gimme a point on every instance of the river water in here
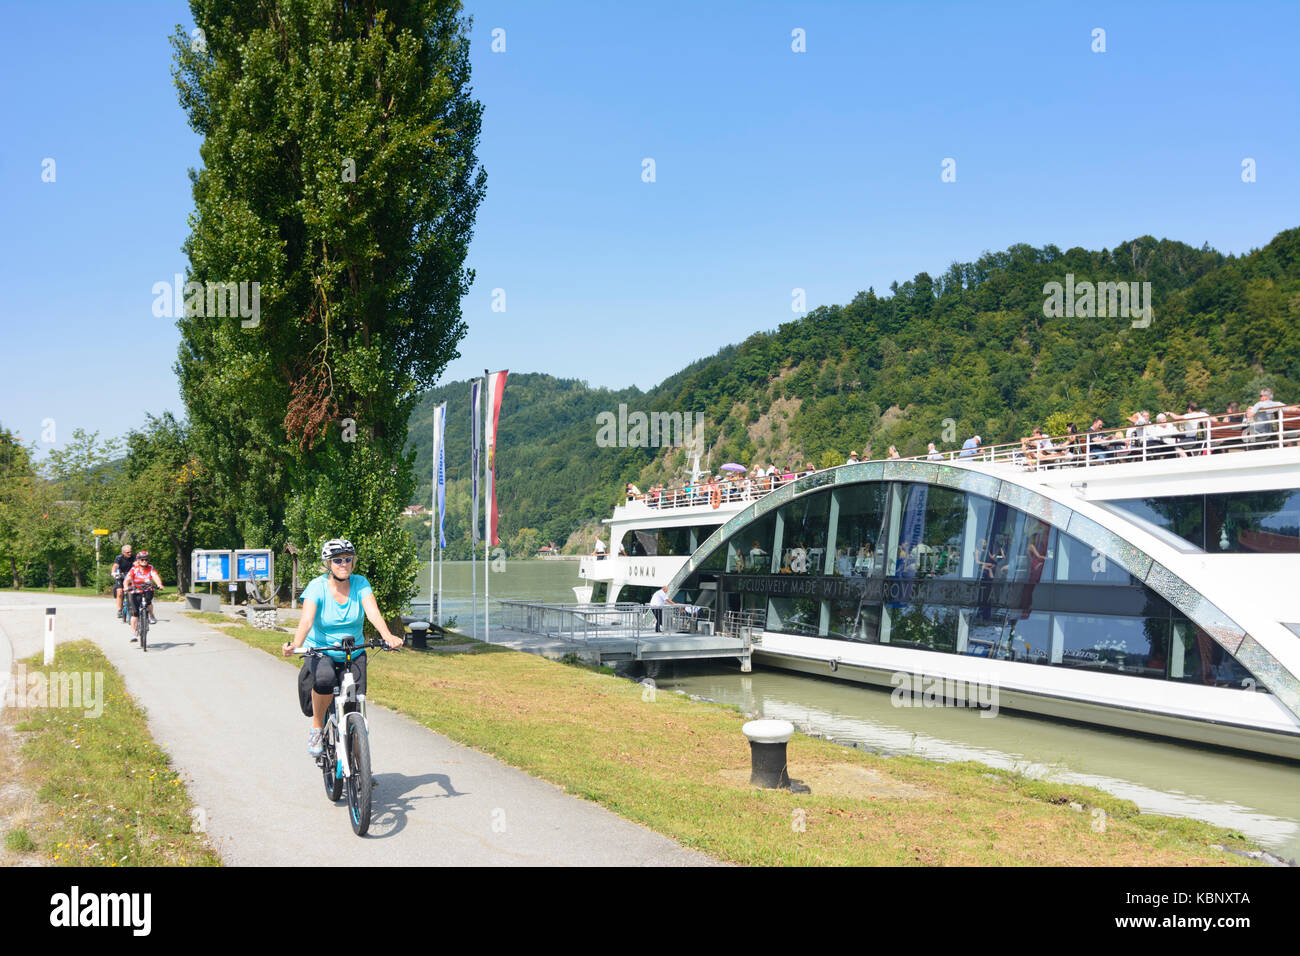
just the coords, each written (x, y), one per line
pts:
(1255, 796)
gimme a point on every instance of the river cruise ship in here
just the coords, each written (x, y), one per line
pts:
(1142, 583)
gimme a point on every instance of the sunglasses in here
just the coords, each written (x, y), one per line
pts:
(342, 560)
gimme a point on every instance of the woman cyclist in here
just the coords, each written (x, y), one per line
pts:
(139, 584)
(332, 608)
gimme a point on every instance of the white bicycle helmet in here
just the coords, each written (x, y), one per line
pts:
(335, 547)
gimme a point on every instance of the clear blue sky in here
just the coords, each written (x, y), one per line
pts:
(774, 170)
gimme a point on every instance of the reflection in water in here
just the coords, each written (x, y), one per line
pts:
(1254, 796)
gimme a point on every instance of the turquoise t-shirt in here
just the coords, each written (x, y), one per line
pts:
(335, 621)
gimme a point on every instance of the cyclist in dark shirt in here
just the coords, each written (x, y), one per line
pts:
(121, 565)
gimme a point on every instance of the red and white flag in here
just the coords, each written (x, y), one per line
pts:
(496, 384)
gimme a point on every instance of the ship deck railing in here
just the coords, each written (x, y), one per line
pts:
(1277, 427)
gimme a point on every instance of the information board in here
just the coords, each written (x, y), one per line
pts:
(210, 566)
(253, 564)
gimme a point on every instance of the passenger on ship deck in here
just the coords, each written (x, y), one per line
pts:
(1136, 439)
(1072, 447)
(1196, 427)
(1099, 444)
(1165, 436)
(893, 453)
(1229, 436)
(853, 458)
(969, 447)
(932, 453)
(599, 551)
(1262, 421)
(1038, 448)
(633, 492)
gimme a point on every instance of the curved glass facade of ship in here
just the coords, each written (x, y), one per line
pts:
(988, 570)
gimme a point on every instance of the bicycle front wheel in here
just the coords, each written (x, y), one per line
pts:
(331, 772)
(144, 626)
(358, 744)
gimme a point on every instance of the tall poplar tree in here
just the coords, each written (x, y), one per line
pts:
(339, 173)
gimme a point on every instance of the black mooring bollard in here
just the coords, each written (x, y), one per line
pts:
(420, 635)
(767, 740)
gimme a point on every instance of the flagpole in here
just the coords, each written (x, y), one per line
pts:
(487, 509)
(433, 506)
(473, 518)
(442, 483)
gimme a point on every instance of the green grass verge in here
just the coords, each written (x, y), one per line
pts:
(680, 767)
(106, 793)
(64, 592)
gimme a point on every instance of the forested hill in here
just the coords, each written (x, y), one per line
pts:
(972, 345)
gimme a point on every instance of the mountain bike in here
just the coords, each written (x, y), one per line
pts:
(142, 630)
(344, 759)
(125, 611)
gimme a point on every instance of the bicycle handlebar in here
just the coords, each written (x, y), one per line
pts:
(345, 646)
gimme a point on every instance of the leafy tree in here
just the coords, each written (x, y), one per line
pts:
(16, 478)
(340, 174)
(168, 498)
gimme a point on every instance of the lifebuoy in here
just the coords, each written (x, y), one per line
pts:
(715, 496)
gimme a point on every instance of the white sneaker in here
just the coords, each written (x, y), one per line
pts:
(315, 743)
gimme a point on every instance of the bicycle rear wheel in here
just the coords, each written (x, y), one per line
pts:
(358, 744)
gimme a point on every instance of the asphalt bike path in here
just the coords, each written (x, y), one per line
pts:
(228, 716)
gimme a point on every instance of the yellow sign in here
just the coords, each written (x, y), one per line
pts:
(100, 531)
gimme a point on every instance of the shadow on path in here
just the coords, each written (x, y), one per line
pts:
(392, 799)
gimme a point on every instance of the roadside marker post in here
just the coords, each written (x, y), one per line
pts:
(49, 635)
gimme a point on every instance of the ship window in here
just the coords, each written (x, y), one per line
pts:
(794, 616)
(1266, 522)
(925, 541)
(749, 551)
(1195, 658)
(650, 542)
(855, 620)
(1124, 645)
(923, 626)
(803, 537)
(1178, 520)
(1260, 522)
(1008, 635)
(636, 594)
(857, 532)
(1077, 563)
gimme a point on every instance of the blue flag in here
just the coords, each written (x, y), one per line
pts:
(440, 432)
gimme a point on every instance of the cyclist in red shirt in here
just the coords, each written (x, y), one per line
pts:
(139, 583)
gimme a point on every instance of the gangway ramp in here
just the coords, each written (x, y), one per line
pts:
(626, 632)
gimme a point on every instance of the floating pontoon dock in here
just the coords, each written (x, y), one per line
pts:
(626, 632)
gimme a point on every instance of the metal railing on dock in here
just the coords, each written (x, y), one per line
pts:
(627, 632)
